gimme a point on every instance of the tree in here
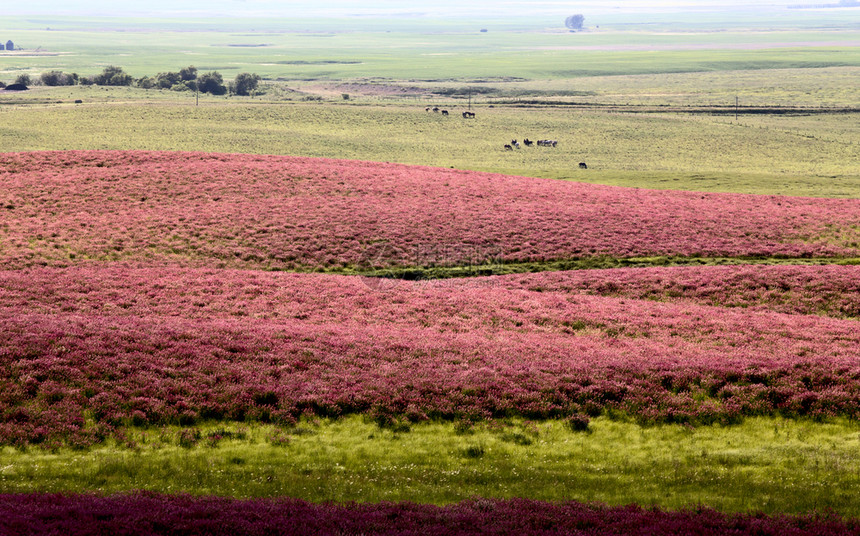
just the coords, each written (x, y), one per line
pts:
(167, 80)
(188, 73)
(245, 83)
(212, 83)
(574, 22)
(113, 76)
(147, 82)
(24, 79)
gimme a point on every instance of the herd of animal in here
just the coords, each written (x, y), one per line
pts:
(528, 143)
(540, 143)
(436, 109)
(514, 143)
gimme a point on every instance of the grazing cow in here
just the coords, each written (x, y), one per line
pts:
(582, 165)
(444, 112)
(435, 108)
(515, 143)
(467, 115)
(508, 147)
(427, 109)
(547, 143)
(528, 142)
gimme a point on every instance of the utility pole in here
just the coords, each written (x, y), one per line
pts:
(470, 99)
(736, 107)
(197, 94)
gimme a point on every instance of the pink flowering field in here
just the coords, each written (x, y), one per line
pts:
(828, 290)
(287, 213)
(128, 345)
(153, 514)
(154, 288)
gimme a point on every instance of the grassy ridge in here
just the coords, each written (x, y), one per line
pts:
(764, 464)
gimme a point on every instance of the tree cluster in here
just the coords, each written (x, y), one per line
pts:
(113, 76)
(186, 79)
(58, 78)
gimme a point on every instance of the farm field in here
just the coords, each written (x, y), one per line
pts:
(273, 306)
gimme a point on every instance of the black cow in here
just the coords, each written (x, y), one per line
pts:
(582, 165)
(444, 112)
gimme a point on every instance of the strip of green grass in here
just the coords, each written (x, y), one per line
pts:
(785, 156)
(768, 464)
(446, 272)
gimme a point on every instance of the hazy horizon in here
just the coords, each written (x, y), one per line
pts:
(381, 8)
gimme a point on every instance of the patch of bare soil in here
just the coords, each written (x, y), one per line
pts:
(369, 89)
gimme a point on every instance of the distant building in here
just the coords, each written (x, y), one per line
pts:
(10, 45)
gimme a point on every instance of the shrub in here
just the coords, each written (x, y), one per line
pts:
(188, 438)
(578, 422)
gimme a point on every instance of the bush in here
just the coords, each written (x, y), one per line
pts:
(578, 422)
(188, 438)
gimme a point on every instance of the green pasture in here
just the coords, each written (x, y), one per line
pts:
(771, 464)
(809, 155)
(533, 49)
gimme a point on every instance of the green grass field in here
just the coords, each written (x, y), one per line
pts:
(809, 155)
(645, 107)
(764, 464)
(430, 50)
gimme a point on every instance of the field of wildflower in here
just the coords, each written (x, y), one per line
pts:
(323, 308)
(129, 346)
(153, 514)
(147, 291)
(300, 214)
(183, 293)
